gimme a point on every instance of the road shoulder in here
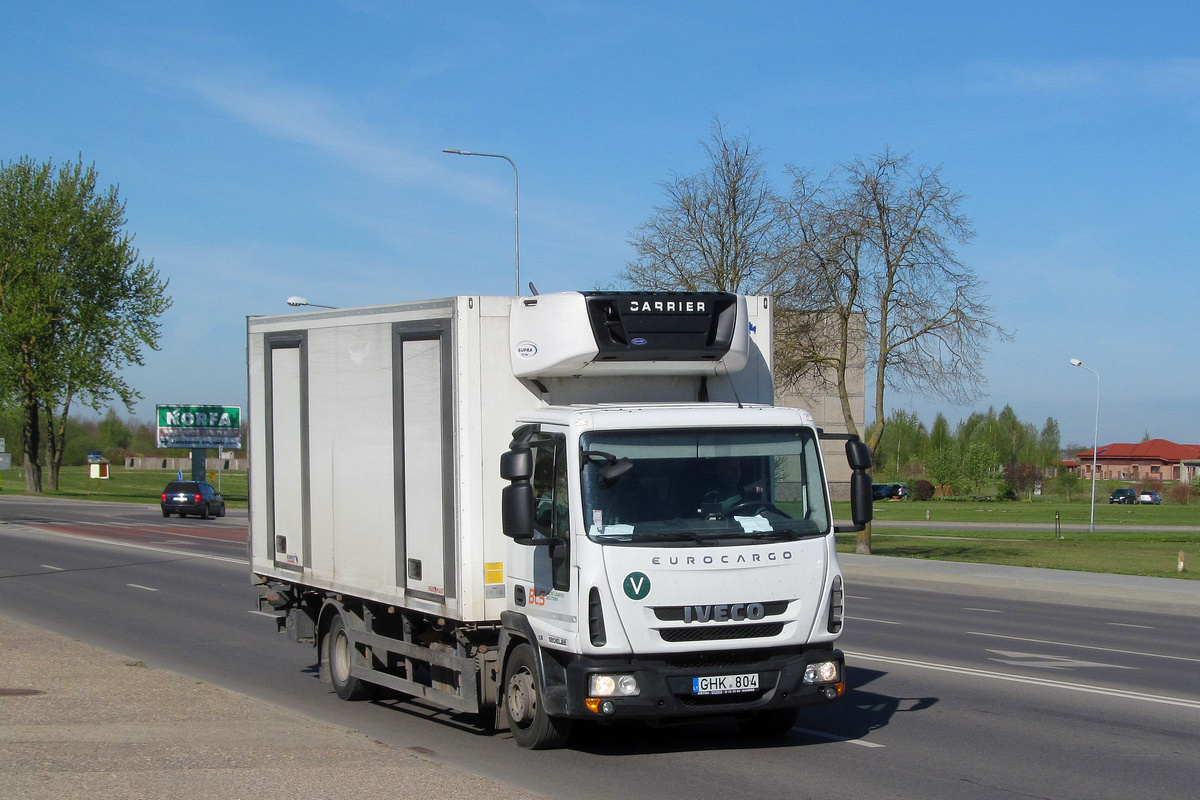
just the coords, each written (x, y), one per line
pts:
(80, 722)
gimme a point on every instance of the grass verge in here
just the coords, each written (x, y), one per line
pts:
(124, 485)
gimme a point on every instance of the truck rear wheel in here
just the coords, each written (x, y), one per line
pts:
(531, 726)
(338, 651)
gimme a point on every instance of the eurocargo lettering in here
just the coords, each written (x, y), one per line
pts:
(538, 510)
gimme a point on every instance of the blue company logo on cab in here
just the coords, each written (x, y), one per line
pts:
(638, 340)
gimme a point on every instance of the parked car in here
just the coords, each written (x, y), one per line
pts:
(1123, 496)
(1148, 498)
(192, 497)
(888, 491)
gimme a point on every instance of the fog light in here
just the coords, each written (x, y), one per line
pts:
(612, 686)
(821, 672)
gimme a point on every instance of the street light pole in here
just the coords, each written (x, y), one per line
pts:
(1075, 362)
(516, 204)
(300, 301)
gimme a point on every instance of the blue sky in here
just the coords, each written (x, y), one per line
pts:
(268, 149)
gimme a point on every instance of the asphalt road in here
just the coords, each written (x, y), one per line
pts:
(954, 693)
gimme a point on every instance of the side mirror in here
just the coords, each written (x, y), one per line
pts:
(517, 465)
(516, 509)
(861, 508)
(858, 455)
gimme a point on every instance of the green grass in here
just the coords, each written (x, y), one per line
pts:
(123, 485)
(1130, 550)
(1123, 554)
(1039, 511)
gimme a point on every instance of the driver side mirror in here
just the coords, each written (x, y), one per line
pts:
(516, 499)
(862, 509)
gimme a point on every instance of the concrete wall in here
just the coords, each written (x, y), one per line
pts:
(185, 464)
(823, 403)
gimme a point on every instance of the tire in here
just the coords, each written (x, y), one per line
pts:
(166, 513)
(222, 512)
(338, 650)
(773, 722)
(204, 511)
(531, 727)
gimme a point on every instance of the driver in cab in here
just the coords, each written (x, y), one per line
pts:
(727, 488)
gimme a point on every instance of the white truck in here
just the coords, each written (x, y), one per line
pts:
(573, 506)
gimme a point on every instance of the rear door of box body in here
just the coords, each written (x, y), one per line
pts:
(286, 402)
(423, 430)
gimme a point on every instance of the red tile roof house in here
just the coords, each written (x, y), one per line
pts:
(1156, 459)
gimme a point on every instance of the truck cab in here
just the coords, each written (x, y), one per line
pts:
(669, 560)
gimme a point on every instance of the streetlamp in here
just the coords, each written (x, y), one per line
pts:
(1075, 362)
(300, 301)
(516, 202)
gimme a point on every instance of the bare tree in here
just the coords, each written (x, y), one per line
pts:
(717, 231)
(876, 238)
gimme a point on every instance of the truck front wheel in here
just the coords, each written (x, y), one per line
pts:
(531, 726)
(338, 651)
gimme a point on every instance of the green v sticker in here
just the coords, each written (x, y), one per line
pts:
(636, 585)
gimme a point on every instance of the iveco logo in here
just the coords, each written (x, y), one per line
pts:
(733, 612)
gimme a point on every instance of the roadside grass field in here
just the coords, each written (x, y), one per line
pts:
(1133, 549)
(1040, 511)
(124, 485)
(1150, 554)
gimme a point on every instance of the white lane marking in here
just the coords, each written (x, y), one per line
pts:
(1042, 661)
(1130, 625)
(984, 610)
(1052, 684)
(139, 586)
(836, 738)
(51, 566)
(266, 614)
(1085, 646)
(880, 621)
(856, 597)
(115, 543)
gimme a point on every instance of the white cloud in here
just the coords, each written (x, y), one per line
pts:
(306, 116)
(1163, 77)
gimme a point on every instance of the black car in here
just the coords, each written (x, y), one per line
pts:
(192, 497)
(888, 491)
(1123, 496)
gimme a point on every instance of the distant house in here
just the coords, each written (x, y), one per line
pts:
(1156, 459)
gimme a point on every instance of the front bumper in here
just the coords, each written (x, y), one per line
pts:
(666, 683)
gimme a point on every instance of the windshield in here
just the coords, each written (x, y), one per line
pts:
(691, 488)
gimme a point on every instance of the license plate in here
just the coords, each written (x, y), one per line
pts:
(725, 684)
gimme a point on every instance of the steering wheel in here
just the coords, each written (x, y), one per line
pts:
(755, 507)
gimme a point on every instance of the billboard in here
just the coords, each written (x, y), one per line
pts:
(200, 426)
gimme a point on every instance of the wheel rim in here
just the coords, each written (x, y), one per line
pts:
(339, 657)
(522, 698)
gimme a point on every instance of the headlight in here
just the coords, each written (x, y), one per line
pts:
(612, 686)
(821, 672)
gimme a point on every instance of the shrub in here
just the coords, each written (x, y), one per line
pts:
(1183, 494)
(923, 490)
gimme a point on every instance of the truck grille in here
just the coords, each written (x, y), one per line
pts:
(709, 633)
(772, 608)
